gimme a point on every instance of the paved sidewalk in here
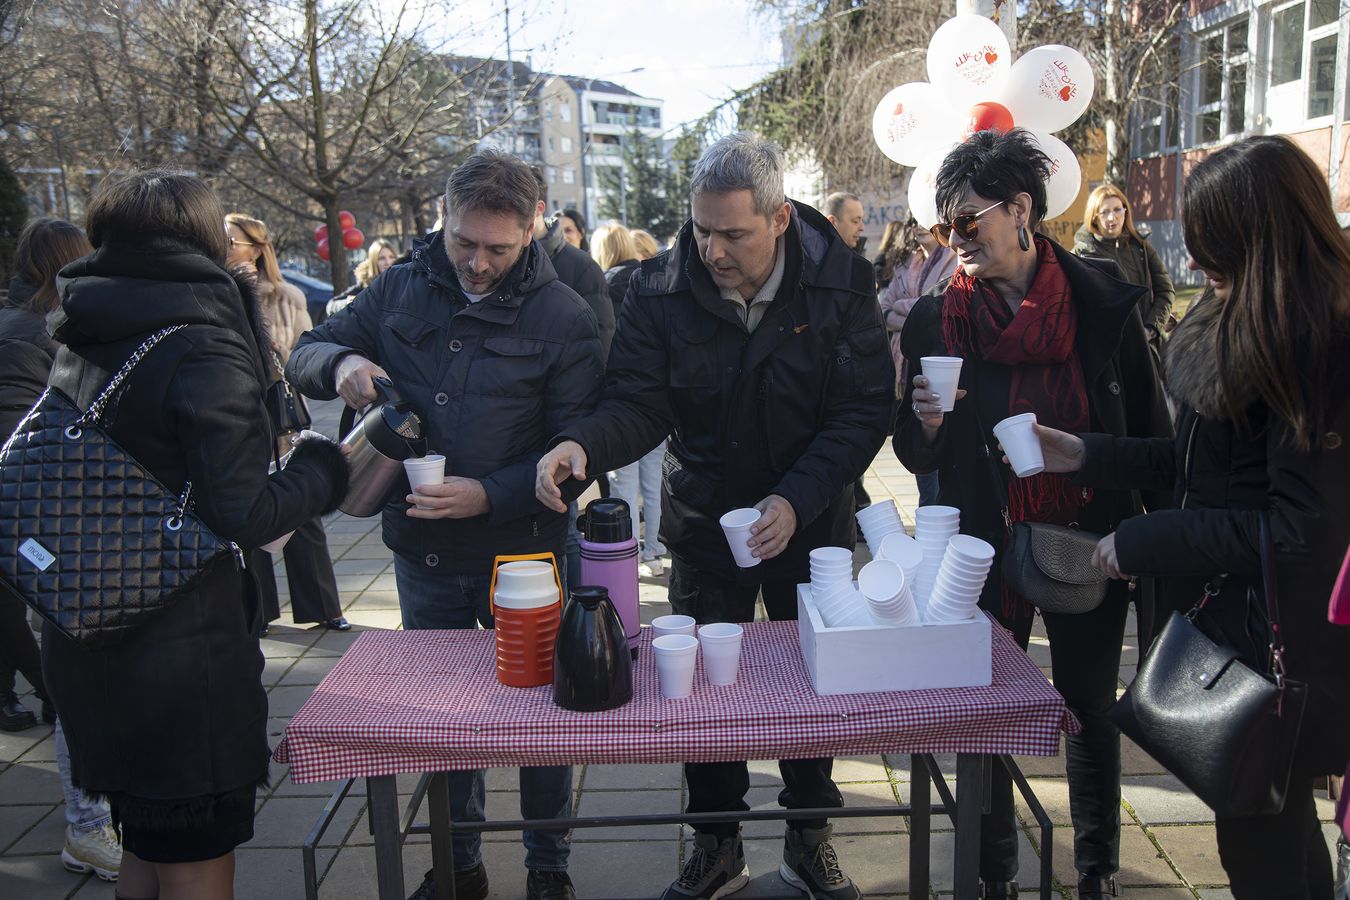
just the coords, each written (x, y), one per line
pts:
(1167, 841)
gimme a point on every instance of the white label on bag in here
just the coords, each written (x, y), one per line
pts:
(37, 554)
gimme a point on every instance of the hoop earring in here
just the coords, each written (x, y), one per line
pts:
(1023, 239)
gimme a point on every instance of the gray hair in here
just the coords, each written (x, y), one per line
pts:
(834, 204)
(492, 181)
(742, 162)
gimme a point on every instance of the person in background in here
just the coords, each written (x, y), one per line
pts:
(921, 265)
(26, 355)
(888, 254)
(1039, 330)
(381, 255)
(1108, 232)
(845, 212)
(616, 252)
(170, 724)
(646, 245)
(309, 566)
(1260, 367)
(574, 229)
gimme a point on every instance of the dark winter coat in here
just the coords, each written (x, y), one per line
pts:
(1124, 398)
(577, 270)
(798, 408)
(1140, 265)
(494, 381)
(1223, 479)
(26, 354)
(177, 711)
(617, 279)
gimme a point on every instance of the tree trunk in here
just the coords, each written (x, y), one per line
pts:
(337, 253)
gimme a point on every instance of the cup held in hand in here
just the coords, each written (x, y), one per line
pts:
(944, 375)
(736, 526)
(1021, 444)
(429, 469)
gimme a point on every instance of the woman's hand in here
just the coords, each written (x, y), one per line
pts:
(1104, 557)
(1063, 452)
(928, 407)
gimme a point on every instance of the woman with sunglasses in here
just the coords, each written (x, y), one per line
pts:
(1041, 331)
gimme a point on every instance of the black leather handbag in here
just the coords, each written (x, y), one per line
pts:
(1227, 730)
(285, 407)
(88, 537)
(1051, 566)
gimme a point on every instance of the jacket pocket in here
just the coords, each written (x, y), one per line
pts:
(408, 329)
(693, 355)
(858, 368)
(687, 486)
(509, 367)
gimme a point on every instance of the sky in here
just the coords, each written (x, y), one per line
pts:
(692, 53)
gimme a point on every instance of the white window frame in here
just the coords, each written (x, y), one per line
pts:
(565, 111)
(1228, 59)
(566, 144)
(569, 175)
(1156, 112)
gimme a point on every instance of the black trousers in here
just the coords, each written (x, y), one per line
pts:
(722, 786)
(309, 572)
(1281, 857)
(18, 648)
(1085, 660)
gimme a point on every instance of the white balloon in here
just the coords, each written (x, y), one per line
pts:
(968, 60)
(910, 122)
(923, 189)
(1049, 88)
(1066, 176)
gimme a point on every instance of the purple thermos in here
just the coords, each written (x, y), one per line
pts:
(609, 557)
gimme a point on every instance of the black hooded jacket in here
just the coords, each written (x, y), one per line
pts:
(26, 354)
(577, 270)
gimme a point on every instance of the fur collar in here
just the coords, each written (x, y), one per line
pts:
(1191, 365)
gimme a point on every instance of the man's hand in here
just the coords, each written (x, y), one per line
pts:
(1104, 557)
(457, 498)
(565, 459)
(352, 380)
(776, 526)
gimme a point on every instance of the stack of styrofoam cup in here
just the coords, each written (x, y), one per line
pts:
(877, 521)
(934, 527)
(832, 590)
(676, 655)
(888, 597)
(904, 551)
(721, 646)
(965, 566)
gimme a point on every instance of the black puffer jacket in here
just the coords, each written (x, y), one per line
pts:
(798, 408)
(177, 711)
(577, 270)
(1224, 479)
(618, 278)
(494, 380)
(26, 354)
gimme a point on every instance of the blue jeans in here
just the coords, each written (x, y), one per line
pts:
(642, 480)
(83, 812)
(572, 550)
(928, 488)
(431, 599)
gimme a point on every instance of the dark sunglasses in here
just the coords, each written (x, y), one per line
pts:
(967, 226)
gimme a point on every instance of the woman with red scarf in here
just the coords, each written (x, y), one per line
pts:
(1041, 331)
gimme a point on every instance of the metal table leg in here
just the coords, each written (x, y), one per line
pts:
(382, 791)
(920, 821)
(970, 791)
(442, 833)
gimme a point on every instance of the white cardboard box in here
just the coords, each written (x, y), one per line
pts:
(862, 659)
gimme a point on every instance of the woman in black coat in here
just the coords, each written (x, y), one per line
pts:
(1039, 330)
(171, 723)
(1261, 369)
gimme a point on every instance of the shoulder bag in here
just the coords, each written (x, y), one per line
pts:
(285, 408)
(88, 538)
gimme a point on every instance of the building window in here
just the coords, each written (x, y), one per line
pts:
(1322, 76)
(569, 175)
(548, 112)
(552, 174)
(566, 145)
(1221, 83)
(1286, 45)
(565, 111)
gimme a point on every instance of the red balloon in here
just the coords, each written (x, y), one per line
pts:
(988, 116)
(352, 238)
(346, 220)
(320, 233)
(324, 253)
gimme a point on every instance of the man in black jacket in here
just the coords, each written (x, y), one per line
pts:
(480, 335)
(758, 342)
(575, 267)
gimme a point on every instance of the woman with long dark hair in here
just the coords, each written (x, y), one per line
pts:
(170, 724)
(1260, 368)
(1039, 330)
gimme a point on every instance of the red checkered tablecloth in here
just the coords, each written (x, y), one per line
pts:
(419, 701)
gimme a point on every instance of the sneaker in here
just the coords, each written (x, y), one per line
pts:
(98, 851)
(714, 869)
(470, 884)
(811, 866)
(543, 884)
(652, 568)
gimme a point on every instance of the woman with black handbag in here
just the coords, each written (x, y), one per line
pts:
(309, 567)
(170, 722)
(1260, 367)
(1039, 330)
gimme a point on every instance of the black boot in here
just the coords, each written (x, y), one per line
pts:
(14, 716)
(1093, 888)
(998, 890)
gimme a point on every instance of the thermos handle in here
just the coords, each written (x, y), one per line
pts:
(384, 389)
(522, 557)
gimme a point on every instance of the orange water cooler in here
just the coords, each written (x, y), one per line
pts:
(526, 596)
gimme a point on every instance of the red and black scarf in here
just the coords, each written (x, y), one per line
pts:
(1037, 343)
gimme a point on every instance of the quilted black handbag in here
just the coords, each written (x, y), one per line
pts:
(1227, 730)
(1051, 566)
(88, 537)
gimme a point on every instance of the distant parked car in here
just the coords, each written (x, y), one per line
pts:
(317, 293)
